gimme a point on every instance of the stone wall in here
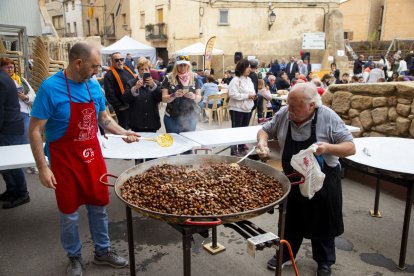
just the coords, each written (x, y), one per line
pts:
(385, 109)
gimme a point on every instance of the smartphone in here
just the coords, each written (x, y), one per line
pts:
(146, 75)
(186, 89)
(19, 89)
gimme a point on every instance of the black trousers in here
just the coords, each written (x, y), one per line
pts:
(259, 106)
(123, 118)
(323, 249)
(238, 119)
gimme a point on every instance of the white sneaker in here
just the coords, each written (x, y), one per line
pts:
(32, 170)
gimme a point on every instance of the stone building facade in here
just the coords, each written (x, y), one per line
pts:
(381, 109)
(241, 26)
(366, 20)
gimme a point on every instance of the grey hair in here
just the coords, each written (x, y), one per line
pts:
(271, 77)
(254, 63)
(310, 92)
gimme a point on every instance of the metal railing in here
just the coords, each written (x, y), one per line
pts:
(70, 34)
(156, 31)
(109, 31)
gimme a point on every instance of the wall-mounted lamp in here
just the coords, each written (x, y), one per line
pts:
(272, 17)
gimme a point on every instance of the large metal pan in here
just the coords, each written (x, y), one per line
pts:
(196, 161)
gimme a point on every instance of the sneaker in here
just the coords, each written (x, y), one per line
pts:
(32, 170)
(272, 263)
(323, 270)
(74, 266)
(6, 196)
(17, 201)
(110, 258)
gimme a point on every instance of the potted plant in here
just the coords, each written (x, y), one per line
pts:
(149, 28)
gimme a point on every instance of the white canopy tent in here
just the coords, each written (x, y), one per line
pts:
(129, 45)
(198, 49)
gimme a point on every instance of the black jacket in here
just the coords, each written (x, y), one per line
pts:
(11, 122)
(358, 67)
(129, 63)
(112, 91)
(295, 68)
(281, 84)
(143, 109)
(255, 79)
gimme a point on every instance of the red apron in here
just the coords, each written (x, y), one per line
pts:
(76, 160)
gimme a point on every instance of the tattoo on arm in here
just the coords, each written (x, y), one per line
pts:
(106, 122)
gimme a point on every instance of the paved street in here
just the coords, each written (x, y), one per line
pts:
(29, 238)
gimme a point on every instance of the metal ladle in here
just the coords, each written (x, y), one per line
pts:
(236, 165)
(164, 140)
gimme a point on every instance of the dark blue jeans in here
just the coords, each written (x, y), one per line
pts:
(26, 121)
(15, 181)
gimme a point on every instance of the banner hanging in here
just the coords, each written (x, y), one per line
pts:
(209, 52)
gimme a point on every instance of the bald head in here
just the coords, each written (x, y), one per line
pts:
(307, 92)
(84, 62)
(82, 50)
(302, 101)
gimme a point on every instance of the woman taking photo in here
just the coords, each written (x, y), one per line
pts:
(181, 92)
(143, 95)
(242, 95)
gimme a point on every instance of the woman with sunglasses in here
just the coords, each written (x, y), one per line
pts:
(181, 92)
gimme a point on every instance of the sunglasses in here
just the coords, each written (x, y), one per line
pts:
(11, 67)
(119, 59)
(187, 58)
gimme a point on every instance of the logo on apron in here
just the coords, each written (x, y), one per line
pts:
(87, 129)
(88, 155)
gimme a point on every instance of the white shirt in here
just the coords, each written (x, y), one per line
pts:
(403, 66)
(239, 90)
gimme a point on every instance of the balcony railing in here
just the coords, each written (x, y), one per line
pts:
(156, 32)
(110, 31)
(71, 34)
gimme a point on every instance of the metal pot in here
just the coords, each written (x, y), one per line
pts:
(196, 161)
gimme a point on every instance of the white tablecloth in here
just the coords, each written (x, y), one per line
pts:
(14, 157)
(385, 153)
(223, 136)
(230, 136)
(118, 149)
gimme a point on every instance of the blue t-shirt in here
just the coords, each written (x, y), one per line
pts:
(52, 103)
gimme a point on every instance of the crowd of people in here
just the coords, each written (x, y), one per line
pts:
(69, 106)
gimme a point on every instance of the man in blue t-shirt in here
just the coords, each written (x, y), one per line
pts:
(67, 108)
